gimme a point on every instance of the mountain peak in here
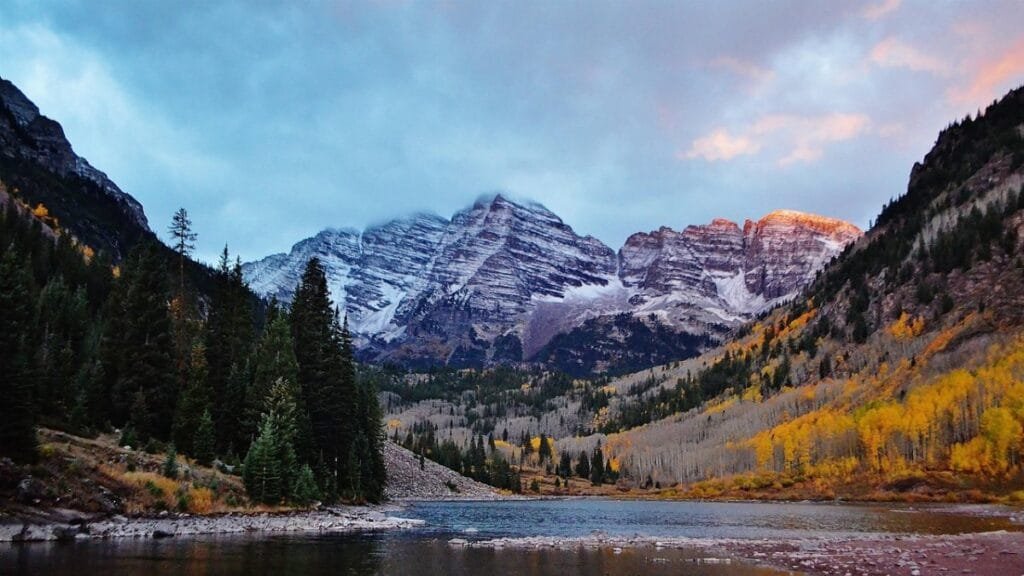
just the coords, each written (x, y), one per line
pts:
(821, 223)
(29, 136)
(23, 110)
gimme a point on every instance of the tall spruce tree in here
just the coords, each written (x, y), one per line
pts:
(17, 425)
(229, 337)
(323, 349)
(597, 467)
(373, 471)
(195, 400)
(274, 360)
(138, 345)
(313, 337)
(583, 466)
(204, 442)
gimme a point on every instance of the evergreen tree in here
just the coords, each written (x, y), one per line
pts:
(183, 240)
(262, 471)
(305, 490)
(184, 316)
(583, 466)
(17, 426)
(170, 467)
(544, 450)
(327, 379)
(274, 360)
(205, 440)
(373, 471)
(565, 465)
(229, 336)
(597, 467)
(193, 403)
(138, 345)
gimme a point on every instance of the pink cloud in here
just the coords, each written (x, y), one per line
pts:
(991, 77)
(892, 53)
(720, 145)
(797, 138)
(879, 9)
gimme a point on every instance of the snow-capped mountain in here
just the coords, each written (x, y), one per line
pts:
(720, 273)
(501, 279)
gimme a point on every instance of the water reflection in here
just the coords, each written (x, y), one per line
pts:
(426, 551)
(379, 555)
(698, 519)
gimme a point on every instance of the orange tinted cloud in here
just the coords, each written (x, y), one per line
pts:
(991, 77)
(892, 53)
(721, 145)
(878, 9)
(798, 138)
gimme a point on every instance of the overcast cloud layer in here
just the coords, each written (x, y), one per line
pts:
(270, 121)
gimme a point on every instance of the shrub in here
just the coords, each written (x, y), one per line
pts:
(170, 468)
(200, 500)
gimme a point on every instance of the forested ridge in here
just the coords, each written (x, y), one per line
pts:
(900, 367)
(90, 346)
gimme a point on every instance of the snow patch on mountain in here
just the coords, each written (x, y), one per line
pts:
(425, 286)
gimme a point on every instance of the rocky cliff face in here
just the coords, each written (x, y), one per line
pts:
(500, 280)
(39, 163)
(720, 273)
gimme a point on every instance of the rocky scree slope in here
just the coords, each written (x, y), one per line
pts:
(407, 481)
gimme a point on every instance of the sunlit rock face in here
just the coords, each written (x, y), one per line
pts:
(722, 273)
(501, 279)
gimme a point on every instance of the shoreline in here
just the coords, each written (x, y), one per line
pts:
(995, 553)
(74, 526)
(870, 554)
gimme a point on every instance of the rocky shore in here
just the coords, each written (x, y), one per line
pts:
(992, 553)
(67, 525)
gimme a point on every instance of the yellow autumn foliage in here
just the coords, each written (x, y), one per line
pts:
(200, 500)
(719, 406)
(962, 420)
(906, 327)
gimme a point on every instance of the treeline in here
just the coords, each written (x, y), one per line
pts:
(591, 467)
(493, 460)
(90, 346)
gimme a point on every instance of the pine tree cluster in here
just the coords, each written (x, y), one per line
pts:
(137, 346)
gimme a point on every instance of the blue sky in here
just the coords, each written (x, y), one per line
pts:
(270, 121)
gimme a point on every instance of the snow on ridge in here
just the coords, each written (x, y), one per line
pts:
(500, 267)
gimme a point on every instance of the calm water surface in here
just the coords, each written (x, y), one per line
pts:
(426, 552)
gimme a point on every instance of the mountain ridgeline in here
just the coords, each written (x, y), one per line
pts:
(509, 282)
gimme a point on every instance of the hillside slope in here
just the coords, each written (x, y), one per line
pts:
(901, 370)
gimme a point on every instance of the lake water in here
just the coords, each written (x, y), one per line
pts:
(426, 551)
